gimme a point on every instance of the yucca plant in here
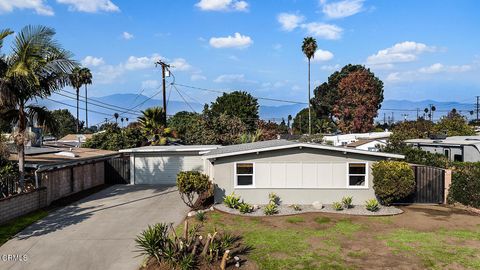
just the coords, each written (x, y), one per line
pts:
(231, 201)
(200, 216)
(337, 206)
(347, 201)
(152, 241)
(372, 205)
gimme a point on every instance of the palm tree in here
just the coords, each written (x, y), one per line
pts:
(36, 67)
(153, 122)
(116, 115)
(309, 47)
(86, 76)
(76, 81)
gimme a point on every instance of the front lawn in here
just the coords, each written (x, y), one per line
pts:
(436, 238)
(11, 228)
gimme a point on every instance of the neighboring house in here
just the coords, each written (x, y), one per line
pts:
(161, 164)
(298, 172)
(455, 148)
(71, 140)
(345, 139)
(368, 145)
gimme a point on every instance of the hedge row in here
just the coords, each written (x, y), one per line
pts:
(465, 187)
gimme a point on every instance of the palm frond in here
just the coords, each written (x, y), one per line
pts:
(3, 34)
(42, 116)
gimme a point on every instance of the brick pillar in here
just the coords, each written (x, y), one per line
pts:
(448, 182)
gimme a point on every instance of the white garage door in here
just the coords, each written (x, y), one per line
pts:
(163, 169)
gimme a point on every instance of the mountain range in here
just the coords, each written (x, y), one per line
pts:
(130, 105)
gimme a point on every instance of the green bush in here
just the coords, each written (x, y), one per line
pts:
(245, 208)
(372, 205)
(465, 187)
(296, 207)
(273, 198)
(392, 180)
(347, 201)
(200, 216)
(191, 183)
(232, 201)
(270, 209)
(337, 206)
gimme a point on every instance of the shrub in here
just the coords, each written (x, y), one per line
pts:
(372, 205)
(392, 180)
(200, 216)
(296, 207)
(245, 208)
(231, 201)
(347, 201)
(191, 183)
(337, 206)
(274, 198)
(465, 187)
(187, 251)
(270, 209)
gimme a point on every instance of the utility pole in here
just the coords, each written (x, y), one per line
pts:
(418, 110)
(384, 118)
(393, 119)
(164, 91)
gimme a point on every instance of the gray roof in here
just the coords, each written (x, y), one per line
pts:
(171, 148)
(262, 146)
(249, 146)
(453, 140)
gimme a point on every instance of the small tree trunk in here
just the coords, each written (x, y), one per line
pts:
(223, 264)
(185, 230)
(207, 243)
(21, 146)
(78, 120)
(86, 106)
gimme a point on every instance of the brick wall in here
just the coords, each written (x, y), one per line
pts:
(21, 204)
(67, 181)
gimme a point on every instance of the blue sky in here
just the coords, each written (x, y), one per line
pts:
(420, 49)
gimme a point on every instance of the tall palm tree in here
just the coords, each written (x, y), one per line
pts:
(76, 81)
(36, 67)
(116, 115)
(86, 76)
(309, 47)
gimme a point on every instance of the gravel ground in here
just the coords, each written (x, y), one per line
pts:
(284, 210)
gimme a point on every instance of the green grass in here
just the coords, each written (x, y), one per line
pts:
(322, 220)
(295, 219)
(10, 229)
(437, 250)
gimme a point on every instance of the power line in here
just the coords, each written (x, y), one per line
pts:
(66, 104)
(186, 102)
(93, 100)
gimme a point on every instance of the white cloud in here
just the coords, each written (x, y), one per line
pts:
(342, 9)
(322, 55)
(438, 68)
(39, 6)
(90, 6)
(289, 21)
(229, 78)
(136, 63)
(323, 30)
(150, 84)
(236, 41)
(393, 77)
(107, 73)
(406, 51)
(180, 64)
(222, 5)
(197, 77)
(92, 61)
(330, 67)
(127, 36)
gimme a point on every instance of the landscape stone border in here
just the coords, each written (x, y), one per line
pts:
(286, 210)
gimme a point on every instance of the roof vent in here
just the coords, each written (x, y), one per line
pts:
(438, 136)
(67, 154)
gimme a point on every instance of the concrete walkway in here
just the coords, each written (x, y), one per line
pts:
(98, 232)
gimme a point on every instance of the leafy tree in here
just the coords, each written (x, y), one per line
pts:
(193, 184)
(326, 94)
(36, 67)
(408, 130)
(65, 123)
(283, 127)
(226, 129)
(182, 122)
(300, 123)
(454, 124)
(114, 138)
(360, 98)
(238, 104)
(309, 47)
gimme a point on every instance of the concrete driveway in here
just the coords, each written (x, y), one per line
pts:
(97, 232)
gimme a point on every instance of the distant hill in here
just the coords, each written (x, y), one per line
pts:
(275, 113)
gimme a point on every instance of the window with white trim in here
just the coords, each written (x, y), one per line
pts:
(244, 174)
(357, 174)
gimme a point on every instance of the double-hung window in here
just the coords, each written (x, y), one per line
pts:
(357, 175)
(244, 174)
